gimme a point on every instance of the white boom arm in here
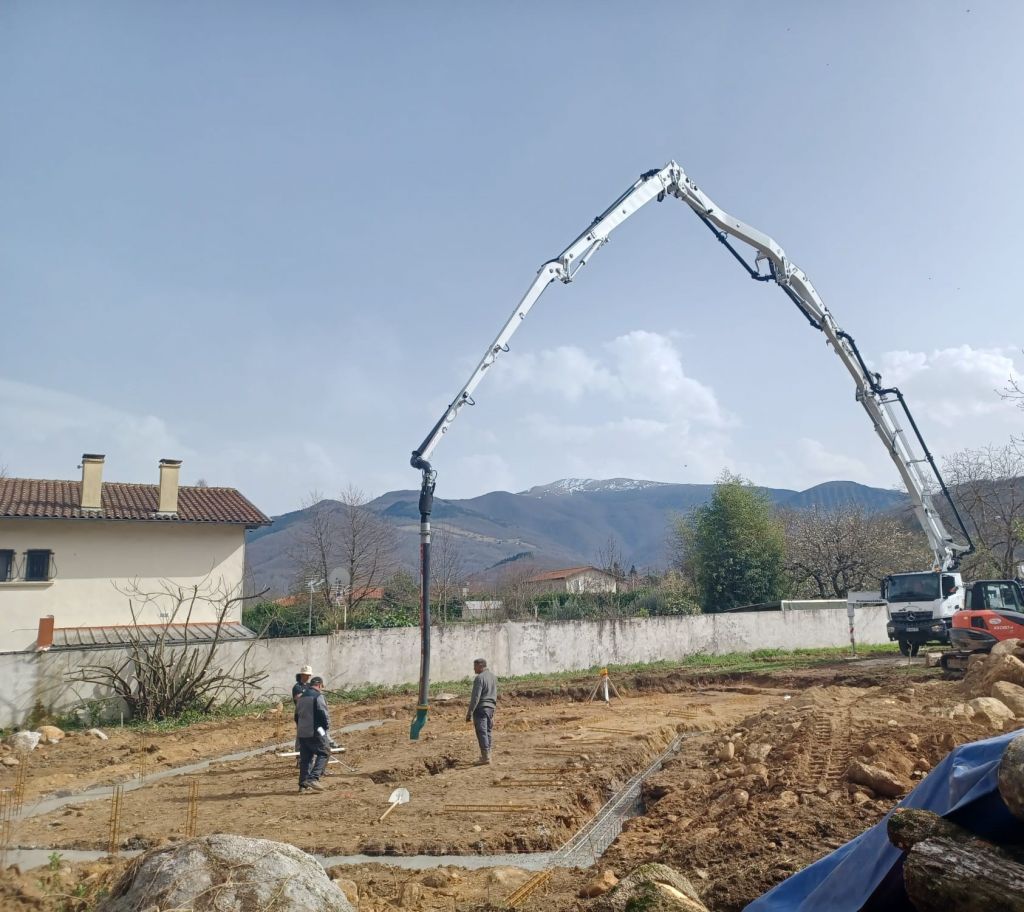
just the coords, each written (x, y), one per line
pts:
(919, 472)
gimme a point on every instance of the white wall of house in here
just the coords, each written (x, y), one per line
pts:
(590, 581)
(92, 559)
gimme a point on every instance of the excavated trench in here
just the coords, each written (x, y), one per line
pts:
(584, 848)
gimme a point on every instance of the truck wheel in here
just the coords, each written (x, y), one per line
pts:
(905, 647)
(915, 648)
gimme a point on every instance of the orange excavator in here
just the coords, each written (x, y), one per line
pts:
(993, 611)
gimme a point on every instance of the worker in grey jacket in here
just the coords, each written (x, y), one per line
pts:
(482, 701)
(312, 723)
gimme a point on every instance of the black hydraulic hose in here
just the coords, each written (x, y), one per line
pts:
(426, 505)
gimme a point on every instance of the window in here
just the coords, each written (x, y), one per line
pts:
(6, 565)
(37, 565)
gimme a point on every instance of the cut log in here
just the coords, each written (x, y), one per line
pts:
(1011, 777)
(909, 826)
(943, 874)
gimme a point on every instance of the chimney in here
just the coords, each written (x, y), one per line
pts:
(169, 469)
(92, 481)
(44, 638)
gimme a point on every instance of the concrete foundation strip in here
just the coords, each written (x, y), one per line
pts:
(498, 808)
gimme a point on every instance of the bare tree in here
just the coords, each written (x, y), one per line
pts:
(317, 551)
(610, 559)
(512, 588)
(367, 544)
(1013, 391)
(166, 672)
(831, 552)
(988, 486)
(448, 568)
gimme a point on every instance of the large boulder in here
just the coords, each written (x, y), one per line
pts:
(993, 712)
(652, 888)
(880, 781)
(984, 671)
(25, 741)
(1012, 695)
(221, 872)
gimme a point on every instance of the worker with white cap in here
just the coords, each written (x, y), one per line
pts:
(298, 688)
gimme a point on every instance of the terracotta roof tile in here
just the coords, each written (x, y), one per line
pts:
(47, 499)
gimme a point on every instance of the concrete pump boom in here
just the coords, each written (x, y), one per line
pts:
(885, 405)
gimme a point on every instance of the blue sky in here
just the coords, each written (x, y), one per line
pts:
(272, 240)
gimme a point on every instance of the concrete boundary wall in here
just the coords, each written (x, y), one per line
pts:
(392, 656)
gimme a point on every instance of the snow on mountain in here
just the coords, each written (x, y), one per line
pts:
(571, 486)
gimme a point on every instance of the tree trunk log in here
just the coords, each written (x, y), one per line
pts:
(1011, 777)
(909, 826)
(942, 874)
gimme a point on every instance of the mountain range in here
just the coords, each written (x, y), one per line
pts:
(563, 524)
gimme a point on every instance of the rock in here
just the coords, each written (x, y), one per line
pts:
(1006, 647)
(652, 888)
(981, 675)
(10, 761)
(726, 751)
(411, 895)
(1012, 695)
(880, 781)
(961, 712)
(51, 734)
(96, 733)
(349, 887)
(932, 659)
(226, 872)
(739, 798)
(912, 741)
(444, 697)
(436, 880)
(599, 885)
(860, 797)
(506, 876)
(992, 711)
(25, 741)
(758, 752)
(788, 799)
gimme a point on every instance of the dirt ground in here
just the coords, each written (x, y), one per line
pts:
(758, 790)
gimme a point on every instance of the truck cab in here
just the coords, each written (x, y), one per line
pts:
(994, 611)
(921, 607)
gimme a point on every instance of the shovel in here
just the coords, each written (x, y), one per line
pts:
(398, 796)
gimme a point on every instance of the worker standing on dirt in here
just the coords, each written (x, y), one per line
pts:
(482, 702)
(312, 722)
(301, 683)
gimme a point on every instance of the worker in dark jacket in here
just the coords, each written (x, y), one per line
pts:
(312, 723)
(482, 701)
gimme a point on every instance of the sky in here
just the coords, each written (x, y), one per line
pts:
(273, 240)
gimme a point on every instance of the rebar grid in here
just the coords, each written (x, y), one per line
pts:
(6, 823)
(116, 800)
(601, 831)
(192, 814)
(531, 886)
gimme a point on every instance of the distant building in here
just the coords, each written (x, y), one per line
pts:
(573, 579)
(70, 550)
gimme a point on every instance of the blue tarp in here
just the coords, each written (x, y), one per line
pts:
(867, 873)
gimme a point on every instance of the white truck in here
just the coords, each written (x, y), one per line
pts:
(885, 406)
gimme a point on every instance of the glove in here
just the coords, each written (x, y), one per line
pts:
(321, 732)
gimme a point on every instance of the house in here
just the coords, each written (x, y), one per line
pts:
(573, 579)
(76, 556)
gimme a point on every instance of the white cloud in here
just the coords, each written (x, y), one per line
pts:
(640, 371)
(950, 384)
(61, 426)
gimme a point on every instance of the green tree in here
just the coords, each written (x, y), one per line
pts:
(734, 547)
